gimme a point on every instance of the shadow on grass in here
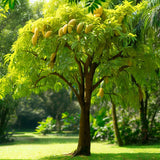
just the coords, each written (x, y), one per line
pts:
(148, 146)
(119, 156)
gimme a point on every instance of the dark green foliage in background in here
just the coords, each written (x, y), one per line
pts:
(7, 109)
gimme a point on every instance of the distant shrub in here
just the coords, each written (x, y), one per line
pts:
(70, 121)
(46, 126)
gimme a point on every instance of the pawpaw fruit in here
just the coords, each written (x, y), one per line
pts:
(97, 15)
(60, 32)
(72, 22)
(48, 34)
(34, 39)
(65, 28)
(88, 28)
(98, 11)
(69, 29)
(52, 60)
(80, 27)
(36, 31)
(101, 92)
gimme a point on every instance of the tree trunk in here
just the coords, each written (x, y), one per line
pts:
(115, 125)
(58, 123)
(84, 98)
(84, 133)
(144, 123)
(3, 123)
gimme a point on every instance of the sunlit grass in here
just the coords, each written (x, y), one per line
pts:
(33, 146)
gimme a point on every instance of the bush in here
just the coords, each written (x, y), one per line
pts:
(101, 126)
(70, 121)
(46, 126)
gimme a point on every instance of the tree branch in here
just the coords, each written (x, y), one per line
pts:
(35, 54)
(63, 78)
(98, 83)
(116, 56)
(123, 67)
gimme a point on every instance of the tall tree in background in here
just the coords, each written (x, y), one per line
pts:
(73, 49)
(147, 29)
(13, 20)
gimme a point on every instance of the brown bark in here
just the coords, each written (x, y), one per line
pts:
(144, 123)
(84, 133)
(115, 124)
(85, 102)
(143, 112)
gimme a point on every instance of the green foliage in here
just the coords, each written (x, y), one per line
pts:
(46, 126)
(10, 3)
(7, 110)
(37, 75)
(101, 126)
(70, 121)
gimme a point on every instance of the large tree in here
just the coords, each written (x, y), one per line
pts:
(77, 50)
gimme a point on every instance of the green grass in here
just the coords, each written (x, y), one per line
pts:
(52, 147)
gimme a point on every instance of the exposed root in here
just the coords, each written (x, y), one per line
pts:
(80, 152)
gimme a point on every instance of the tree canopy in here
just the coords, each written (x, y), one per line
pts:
(109, 44)
(75, 49)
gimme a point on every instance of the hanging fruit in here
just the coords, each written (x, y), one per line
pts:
(60, 32)
(97, 15)
(72, 22)
(69, 29)
(35, 37)
(48, 34)
(52, 60)
(33, 29)
(65, 28)
(80, 27)
(88, 28)
(98, 11)
(101, 92)
(36, 31)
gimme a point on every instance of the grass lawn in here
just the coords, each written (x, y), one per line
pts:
(51, 147)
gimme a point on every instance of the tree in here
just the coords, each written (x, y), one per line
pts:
(76, 50)
(6, 111)
(115, 124)
(55, 104)
(147, 27)
(14, 19)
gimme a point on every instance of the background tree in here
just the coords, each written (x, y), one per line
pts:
(57, 103)
(7, 109)
(79, 58)
(30, 110)
(14, 19)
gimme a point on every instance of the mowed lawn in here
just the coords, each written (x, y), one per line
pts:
(52, 147)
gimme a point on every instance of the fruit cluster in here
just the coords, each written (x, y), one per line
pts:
(67, 28)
